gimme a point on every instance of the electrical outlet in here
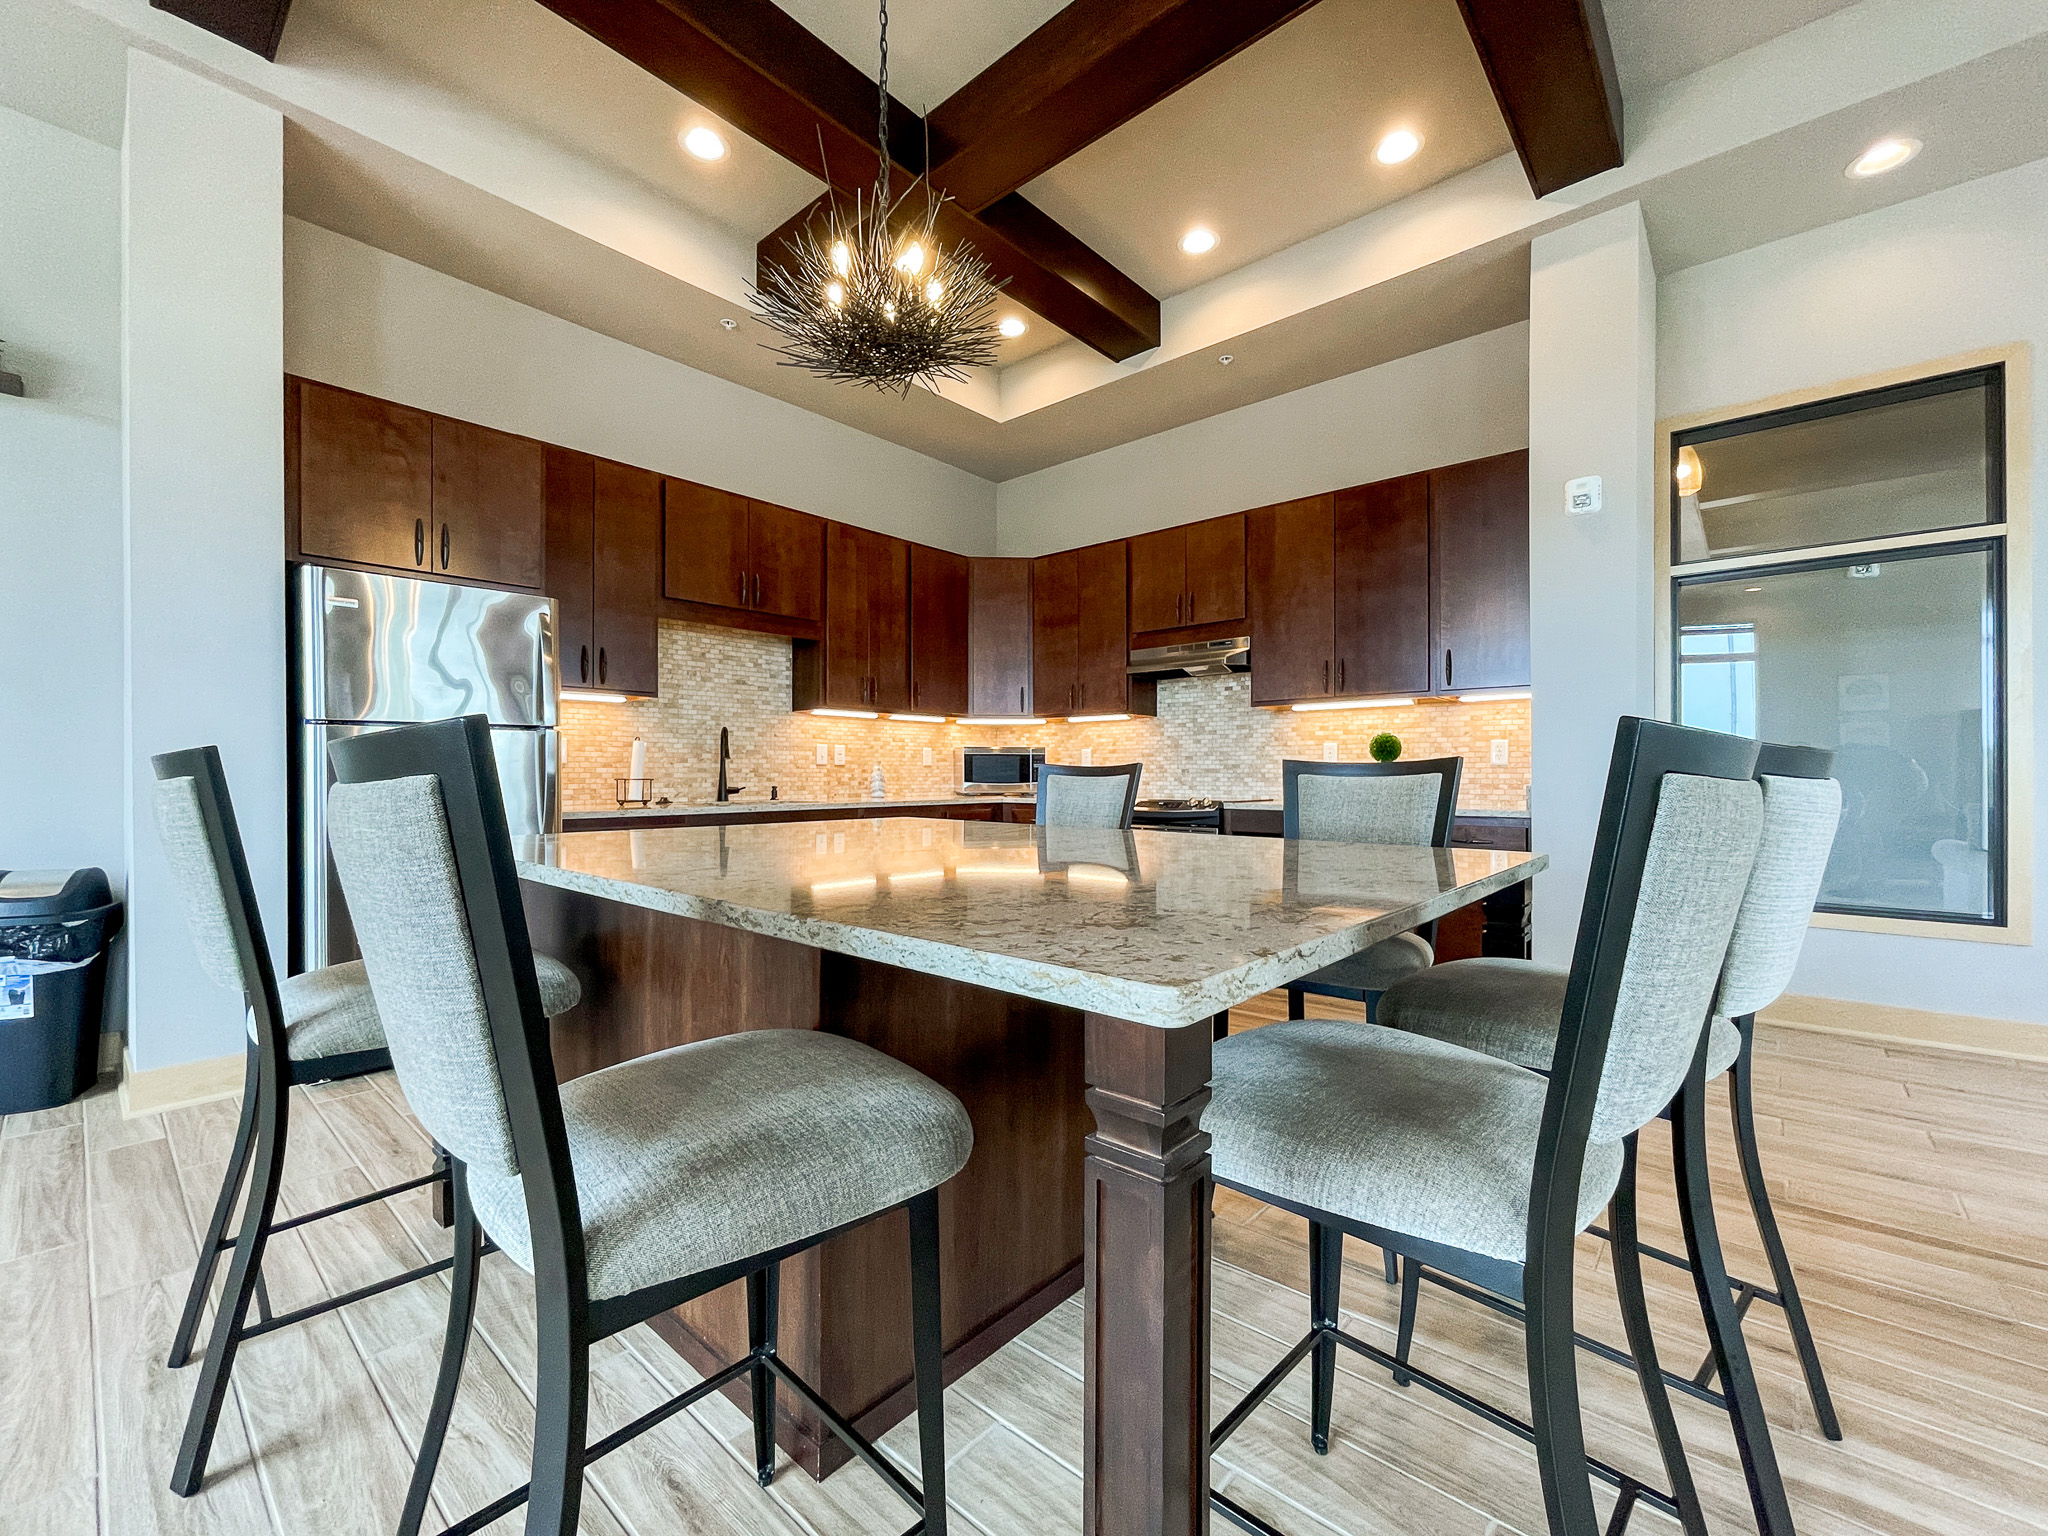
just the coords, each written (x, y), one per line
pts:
(1500, 749)
(1329, 752)
(1087, 757)
(927, 757)
(839, 756)
(823, 755)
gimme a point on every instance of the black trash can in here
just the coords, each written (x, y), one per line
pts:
(54, 928)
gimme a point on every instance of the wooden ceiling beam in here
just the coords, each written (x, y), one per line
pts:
(256, 25)
(1091, 68)
(1552, 71)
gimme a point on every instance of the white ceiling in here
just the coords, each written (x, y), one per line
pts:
(935, 46)
(1659, 41)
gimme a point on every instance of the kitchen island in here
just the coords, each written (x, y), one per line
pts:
(1061, 983)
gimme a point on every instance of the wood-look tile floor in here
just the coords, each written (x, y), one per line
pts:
(1913, 1188)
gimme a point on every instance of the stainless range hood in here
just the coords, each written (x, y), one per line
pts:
(1200, 658)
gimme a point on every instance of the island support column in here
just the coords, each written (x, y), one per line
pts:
(1145, 1450)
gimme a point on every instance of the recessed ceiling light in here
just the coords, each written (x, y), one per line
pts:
(1013, 326)
(1198, 241)
(1397, 146)
(1884, 155)
(704, 144)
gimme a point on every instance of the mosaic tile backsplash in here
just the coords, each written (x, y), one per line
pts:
(1207, 738)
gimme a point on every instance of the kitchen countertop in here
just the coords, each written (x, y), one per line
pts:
(1154, 927)
(1474, 813)
(763, 807)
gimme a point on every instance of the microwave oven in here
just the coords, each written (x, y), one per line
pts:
(1011, 768)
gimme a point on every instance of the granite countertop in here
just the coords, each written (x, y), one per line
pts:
(1156, 927)
(764, 807)
(1464, 813)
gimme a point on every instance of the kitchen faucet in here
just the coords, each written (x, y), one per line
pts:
(725, 791)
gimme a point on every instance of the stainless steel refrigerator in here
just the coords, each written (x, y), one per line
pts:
(371, 652)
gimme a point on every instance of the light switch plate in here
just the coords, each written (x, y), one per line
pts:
(1500, 749)
(1329, 752)
(823, 756)
(1582, 495)
(839, 756)
(927, 757)
(1087, 757)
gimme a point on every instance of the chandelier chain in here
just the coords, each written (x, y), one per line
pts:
(882, 107)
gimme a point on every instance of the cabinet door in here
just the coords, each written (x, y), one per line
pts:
(843, 673)
(1056, 632)
(887, 563)
(571, 492)
(938, 631)
(490, 505)
(1215, 562)
(704, 532)
(999, 637)
(1479, 559)
(1382, 587)
(627, 563)
(786, 561)
(365, 479)
(1159, 578)
(1101, 671)
(1288, 581)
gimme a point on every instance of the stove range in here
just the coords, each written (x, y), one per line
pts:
(1197, 815)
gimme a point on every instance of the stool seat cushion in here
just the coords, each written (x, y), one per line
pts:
(330, 1012)
(722, 1149)
(1506, 1008)
(1407, 1134)
(1377, 967)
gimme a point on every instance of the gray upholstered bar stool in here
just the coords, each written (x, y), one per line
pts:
(1510, 1009)
(1490, 1171)
(1072, 796)
(634, 1189)
(312, 1028)
(1410, 804)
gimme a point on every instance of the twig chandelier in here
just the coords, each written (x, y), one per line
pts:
(871, 297)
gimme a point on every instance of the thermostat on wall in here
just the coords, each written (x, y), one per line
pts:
(1582, 495)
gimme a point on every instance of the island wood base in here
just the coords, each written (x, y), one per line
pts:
(1011, 1222)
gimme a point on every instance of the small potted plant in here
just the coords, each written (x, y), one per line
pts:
(1385, 747)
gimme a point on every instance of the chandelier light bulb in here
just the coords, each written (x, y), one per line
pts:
(842, 258)
(933, 292)
(835, 294)
(889, 309)
(911, 262)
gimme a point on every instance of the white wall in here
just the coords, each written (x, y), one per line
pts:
(1592, 356)
(203, 422)
(1462, 401)
(61, 780)
(364, 319)
(1953, 271)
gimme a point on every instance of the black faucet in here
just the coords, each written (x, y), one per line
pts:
(725, 791)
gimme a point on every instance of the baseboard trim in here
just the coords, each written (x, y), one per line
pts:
(1911, 1026)
(189, 1082)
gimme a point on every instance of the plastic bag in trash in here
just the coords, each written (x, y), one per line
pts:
(54, 939)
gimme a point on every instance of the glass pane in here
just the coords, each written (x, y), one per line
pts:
(1890, 467)
(1895, 666)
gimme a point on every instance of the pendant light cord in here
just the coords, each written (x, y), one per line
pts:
(882, 109)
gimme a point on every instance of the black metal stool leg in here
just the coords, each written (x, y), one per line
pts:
(462, 1282)
(1635, 1319)
(763, 1298)
(1744, 1108)
(1411, 1299)
(561, 1407)
(1553, 1356)
(212, 1388)
(929, 1356)
(1325, 1287)
(1717, 1307)
(216, 1228)
(1390, 1261)
(1297, 1003)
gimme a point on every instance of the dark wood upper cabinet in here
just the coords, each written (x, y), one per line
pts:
(490, 505)
(999, 637)
(364, 478)
(571, 555)
(938, 631)
(1381, 572)
(1479, 558)
(1159, 592)
(705, 543)
(1289, 554)
(885, 564)
(1103, 640)
(862, 660)
(626, 560)
(1194, 574)
(785, 561)
(1056, 632)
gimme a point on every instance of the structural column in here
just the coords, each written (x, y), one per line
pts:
(202, 193)
(1592, 631)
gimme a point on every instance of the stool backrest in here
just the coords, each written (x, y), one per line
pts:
(1072, 796)
(195, 819)
(1802, 809)
(1677, 836)
(1410, 804)
(416, 820)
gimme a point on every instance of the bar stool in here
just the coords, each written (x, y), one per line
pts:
(1072, 796)
(318, 1027)
(1489, 1171)
(1410, 804)
(1510, 1009)
(634, 1189)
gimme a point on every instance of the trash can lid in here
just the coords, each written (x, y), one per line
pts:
(52, 892)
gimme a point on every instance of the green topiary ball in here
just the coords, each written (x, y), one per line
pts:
(1384, 747)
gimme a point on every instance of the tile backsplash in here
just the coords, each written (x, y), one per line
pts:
(1207, 738)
